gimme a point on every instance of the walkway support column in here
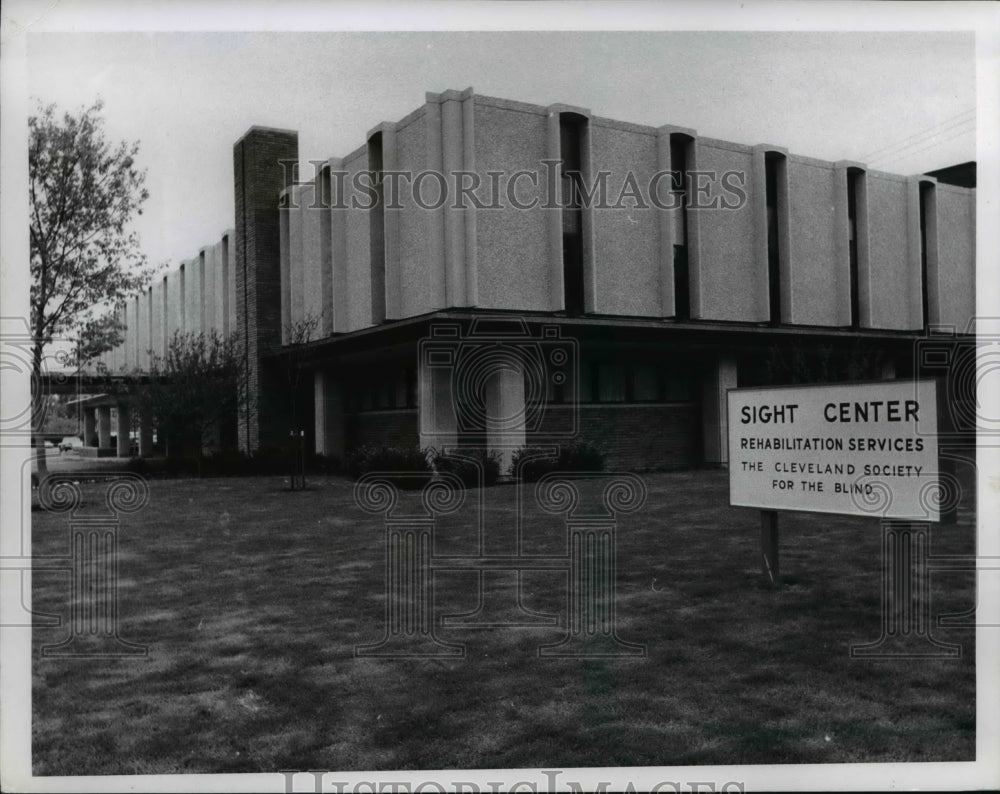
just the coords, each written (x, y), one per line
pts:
(329, 410)
(124, 414)
(505, 430)
(437, 419)
(90, 427)
(104, 426)
(145, 435)
(718, 379)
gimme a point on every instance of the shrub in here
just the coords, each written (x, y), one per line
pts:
(484, 464)
(269, 460)
(227, 463)
(392, 460)
(318, 463)
(139, 466)
(578, 456)
(266, 461)
(181, 466)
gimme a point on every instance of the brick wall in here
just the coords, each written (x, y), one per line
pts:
(398, 428)
(635, 436)
(259, 178)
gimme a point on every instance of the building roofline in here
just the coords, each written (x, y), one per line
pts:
(262, 128)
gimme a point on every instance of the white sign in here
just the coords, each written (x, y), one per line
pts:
(865, 449)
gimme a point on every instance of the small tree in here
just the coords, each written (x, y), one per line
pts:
(84, 193)
(193, 390)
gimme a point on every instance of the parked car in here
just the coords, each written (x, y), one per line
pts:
(68, 443)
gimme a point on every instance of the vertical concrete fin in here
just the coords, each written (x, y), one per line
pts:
(165, 331)
(435, 215)
(469, 208)
(322, 226)
(454, 222)
(284, 254)
(393, 276)
(300, 199)
(338, 247)
(557, 287)
(229, 249)
(665, 228)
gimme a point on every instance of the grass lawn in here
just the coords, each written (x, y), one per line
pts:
(252, 599)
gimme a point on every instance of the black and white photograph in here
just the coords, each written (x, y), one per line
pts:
(494, 397)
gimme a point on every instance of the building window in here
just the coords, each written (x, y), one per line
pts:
(285, 259)
(383, 394)
(675, 384)
(559, 393)
(572, 129)
(376, 219)
(181, 298)
(385, 390)
(203, 324)
(556, 392)
(611, 383)
(325, 248)
(587, 377)
(680, 150)
(411, 387)
(164, 341)
(774, 174)
(640, 382)
(226, 275)
(645, 383)
(400, 397)
(855, 184)
(927, 238)
(150, 339)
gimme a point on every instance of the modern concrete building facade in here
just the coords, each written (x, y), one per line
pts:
(570, 286)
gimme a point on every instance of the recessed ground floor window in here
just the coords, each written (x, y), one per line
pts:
(626, 382)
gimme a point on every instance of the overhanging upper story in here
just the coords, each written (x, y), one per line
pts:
(553, 209)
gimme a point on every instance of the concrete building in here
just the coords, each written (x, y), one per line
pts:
(569, 287)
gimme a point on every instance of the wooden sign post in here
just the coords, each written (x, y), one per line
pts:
(769, 546)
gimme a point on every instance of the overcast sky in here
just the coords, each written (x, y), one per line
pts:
(903, 102)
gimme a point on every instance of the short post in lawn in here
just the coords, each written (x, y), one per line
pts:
(298, 455)
(769, 546)
(302, 458)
